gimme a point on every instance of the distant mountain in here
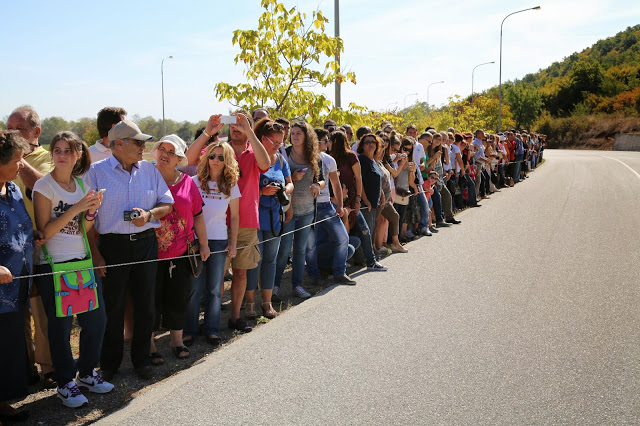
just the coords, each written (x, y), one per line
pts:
(604, 78)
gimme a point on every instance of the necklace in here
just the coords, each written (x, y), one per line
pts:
(175, 180)
(64, 185)
(299, 157)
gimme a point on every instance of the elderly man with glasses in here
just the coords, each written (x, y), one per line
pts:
(136, 198)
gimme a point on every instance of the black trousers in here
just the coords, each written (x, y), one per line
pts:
(140, 281)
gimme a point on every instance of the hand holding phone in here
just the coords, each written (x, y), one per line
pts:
(228, 119)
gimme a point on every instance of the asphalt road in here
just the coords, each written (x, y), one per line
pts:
(526, 313)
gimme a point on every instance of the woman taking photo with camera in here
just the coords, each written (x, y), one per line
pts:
(275, 188)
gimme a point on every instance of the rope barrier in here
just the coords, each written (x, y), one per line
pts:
(140, 262)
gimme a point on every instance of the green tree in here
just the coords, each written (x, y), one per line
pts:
(285, 58)
(50, 126)
(85, 128)
(525, 102)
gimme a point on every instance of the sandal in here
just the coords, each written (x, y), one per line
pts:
(269, 312)
(188, 341)
(250, 310)
(156, 358)
(181, 352)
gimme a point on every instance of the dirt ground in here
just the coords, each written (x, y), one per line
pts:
(44, 408)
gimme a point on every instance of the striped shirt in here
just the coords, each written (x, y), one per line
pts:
(144, 188)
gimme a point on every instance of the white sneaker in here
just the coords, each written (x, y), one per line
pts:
(70, 395)
(94, 383)
(376, 267)
(301, 292)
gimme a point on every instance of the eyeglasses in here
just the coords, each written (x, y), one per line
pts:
(369, 141)
(137, 142)
(405, 149)
(169, 153)
(214, 156)
(272, 142)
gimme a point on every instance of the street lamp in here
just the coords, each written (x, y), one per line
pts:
(500, 81)
(336, 9)
(474, 69)
(405, 99)
(162, 76)
(437, 82)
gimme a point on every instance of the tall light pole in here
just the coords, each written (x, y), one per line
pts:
(437, 82)
(500, 81)
(474, 70)
(162, 76)
(337, 34)
(405, 99)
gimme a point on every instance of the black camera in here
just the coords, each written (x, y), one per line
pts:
(130, 215)
(283, 198)
(281, 194)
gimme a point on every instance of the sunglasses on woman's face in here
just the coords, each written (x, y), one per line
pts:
(214, 156)
(405, 149)
(369, 141)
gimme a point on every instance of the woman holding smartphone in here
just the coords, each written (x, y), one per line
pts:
(61, 202)
(303, 159)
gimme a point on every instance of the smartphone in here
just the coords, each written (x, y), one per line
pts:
(101, 191)
(228, 119)
(302, 170)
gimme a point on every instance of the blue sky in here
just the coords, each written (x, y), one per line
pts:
(71, 58)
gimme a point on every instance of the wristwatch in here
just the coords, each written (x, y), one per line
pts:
(151, 218)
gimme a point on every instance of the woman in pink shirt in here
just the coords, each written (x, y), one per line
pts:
(173, 281)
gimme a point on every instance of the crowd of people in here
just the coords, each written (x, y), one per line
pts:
(276, 193)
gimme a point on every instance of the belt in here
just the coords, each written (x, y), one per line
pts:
(132, 237)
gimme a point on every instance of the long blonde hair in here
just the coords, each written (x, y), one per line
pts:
(230, 171)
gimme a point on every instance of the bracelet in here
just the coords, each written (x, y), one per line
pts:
(204, 132)
(358, 196)
(87, 214)
(89, 220)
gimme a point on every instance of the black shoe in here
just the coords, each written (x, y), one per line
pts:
(477, 205)
(48, 382)
(240, 325)
(344, 279)
(324, 273)
(443, 224)
(145, 372)
(454, 221)
(214, 340)
(107, 374)
(433, 230)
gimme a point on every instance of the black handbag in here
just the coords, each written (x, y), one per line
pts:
(193, 251)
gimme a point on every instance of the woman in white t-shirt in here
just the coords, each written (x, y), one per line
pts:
(216, 178)
(60, 199)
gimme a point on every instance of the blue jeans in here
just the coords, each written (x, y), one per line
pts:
(501, 175)
(334, 233)
(210, 281)
(424, 210)
(361, 230)
(518, 167)
(299, 248)
(266, 269)
(93, 324)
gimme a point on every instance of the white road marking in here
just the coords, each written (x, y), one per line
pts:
(624, 164)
